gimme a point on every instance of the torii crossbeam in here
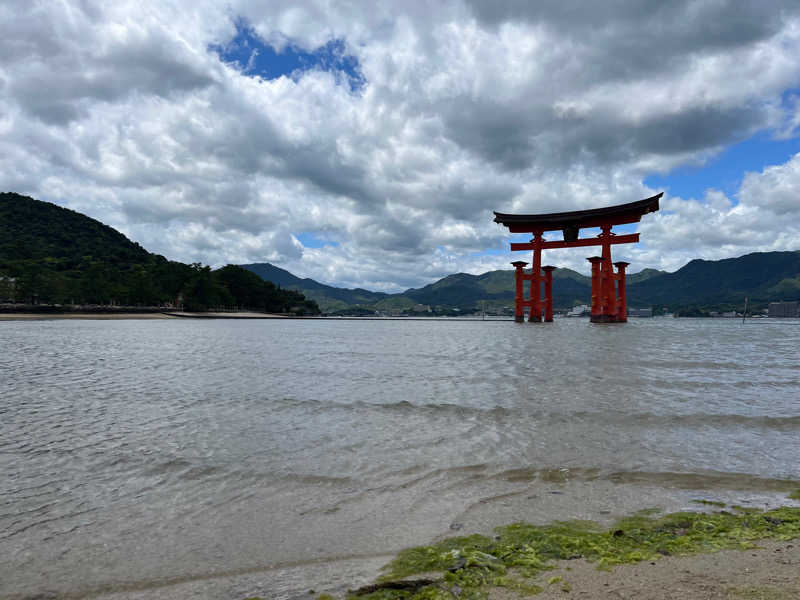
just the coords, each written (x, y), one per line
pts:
(608, 287)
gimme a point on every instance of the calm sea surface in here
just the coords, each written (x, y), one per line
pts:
(225, 459)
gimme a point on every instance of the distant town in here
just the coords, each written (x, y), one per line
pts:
(773, 310)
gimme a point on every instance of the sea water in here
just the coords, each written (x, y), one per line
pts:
(226, 459)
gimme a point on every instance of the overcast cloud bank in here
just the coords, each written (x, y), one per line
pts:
(133, 114)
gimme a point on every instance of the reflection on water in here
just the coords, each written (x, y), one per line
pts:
(140, 453)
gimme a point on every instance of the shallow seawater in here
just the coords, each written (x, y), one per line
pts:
(235, 458)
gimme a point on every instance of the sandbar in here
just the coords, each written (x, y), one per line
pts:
(76, 315)
(109, 316)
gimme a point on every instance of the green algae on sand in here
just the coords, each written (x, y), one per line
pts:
(469, 565)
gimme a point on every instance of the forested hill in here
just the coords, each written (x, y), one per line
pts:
(41, 231)
(49, 254)
(327, 295)
(53, 255)
(761, 277)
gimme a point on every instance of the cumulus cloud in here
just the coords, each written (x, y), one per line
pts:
(764, 215)
(127, 112)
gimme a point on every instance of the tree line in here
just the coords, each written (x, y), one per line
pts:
(158, 282)
(53, 255)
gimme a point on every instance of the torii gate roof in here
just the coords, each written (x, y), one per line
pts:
(608, 215)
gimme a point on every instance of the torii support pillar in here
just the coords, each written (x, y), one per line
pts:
(519, 299)
(548, 293)
(596, 302)
(622, 309)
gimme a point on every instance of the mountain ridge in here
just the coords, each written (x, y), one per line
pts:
(759, 276)
(52, 254)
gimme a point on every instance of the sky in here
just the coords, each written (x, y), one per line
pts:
(366, 144)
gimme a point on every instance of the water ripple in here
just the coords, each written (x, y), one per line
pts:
(137, 451)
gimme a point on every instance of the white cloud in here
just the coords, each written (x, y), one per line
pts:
(764, 216)
(122, 111)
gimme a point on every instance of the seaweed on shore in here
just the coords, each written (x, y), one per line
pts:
(710, 503)
(469, 565)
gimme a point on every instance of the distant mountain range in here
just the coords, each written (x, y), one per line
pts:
(334, 297)
(761, 277)
(52, 254)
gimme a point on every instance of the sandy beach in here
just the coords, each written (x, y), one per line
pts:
(770, 572)
(225, 315)
(95, 316)
(758, 558)
(124, 316)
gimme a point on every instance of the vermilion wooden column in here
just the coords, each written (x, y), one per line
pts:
(548, 293)
(608, 292)
(596, 283)
(519, 310)
(536, 278)
(622, 309)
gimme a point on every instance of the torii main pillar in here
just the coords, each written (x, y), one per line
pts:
(608, 286)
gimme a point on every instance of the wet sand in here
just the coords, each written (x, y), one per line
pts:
(770, 572)
(226, 315)
(100, 316)
(123, 316)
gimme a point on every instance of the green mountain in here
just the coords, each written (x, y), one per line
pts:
(328, 297)
(762, 277)
(53, 255)
(62, 238)
(462, 291)
(50, 254)
(496, 289)
(641, 276)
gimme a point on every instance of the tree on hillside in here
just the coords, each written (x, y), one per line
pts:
(252, 292)
(203, 291)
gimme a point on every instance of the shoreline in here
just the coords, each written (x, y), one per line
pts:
(173, 314)
(770, 571)
(113, 316)
(79, 315)
(767, 570)
(727, 553)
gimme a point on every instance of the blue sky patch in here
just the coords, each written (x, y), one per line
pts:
(256, 58)
(725, 171)
(310, 240)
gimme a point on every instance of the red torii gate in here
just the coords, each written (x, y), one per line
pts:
(608, 287)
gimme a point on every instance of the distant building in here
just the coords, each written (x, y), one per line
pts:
(579, 311)
(784, 309)
(640, 312)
